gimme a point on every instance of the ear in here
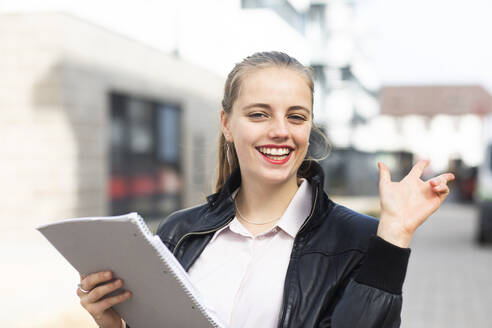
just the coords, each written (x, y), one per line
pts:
(224, 124)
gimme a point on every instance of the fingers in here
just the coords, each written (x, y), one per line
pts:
(89, 282)
(384, 173)
(418, 168)
(102, 305)
(95, 302)
(439, 183)
(441, 189)
(99, 286)
(99, 292)
(441, 179)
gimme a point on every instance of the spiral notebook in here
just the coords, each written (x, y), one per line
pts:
(162, 293)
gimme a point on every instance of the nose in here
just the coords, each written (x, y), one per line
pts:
(278, 129)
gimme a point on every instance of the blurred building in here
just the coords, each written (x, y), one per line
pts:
(324, 34)
(94, 123)
(443, 123)
(215, 34)
(346, 82)
(433, 100)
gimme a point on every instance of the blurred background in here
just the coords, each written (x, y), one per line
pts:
(109, 107)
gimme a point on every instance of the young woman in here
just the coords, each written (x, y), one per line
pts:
(269, 248)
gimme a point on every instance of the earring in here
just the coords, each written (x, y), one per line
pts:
(227, 154)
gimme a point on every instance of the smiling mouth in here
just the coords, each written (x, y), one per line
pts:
(276, 154)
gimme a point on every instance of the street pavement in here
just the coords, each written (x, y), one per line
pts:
(449, 279)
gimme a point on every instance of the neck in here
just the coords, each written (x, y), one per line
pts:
(263, 203)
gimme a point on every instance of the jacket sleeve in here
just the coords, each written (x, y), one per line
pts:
(372, 298)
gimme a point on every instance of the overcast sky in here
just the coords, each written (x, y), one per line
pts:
(430, 41)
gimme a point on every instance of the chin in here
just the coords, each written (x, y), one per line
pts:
(276, 177)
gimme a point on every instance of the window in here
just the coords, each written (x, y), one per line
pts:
(168, 134)
(145, 170)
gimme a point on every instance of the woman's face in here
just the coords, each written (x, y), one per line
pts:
(270, 124)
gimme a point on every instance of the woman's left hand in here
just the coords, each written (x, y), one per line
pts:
(405, 205)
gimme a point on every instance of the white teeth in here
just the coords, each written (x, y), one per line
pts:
(275, 151)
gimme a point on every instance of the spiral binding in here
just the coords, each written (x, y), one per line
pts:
(162, 249)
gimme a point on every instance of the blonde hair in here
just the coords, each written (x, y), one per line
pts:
(228, 161)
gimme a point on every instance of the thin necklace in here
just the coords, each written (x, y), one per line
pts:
(249, 221)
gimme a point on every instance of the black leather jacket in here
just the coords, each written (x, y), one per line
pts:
(340, 273)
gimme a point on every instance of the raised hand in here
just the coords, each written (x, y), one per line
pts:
(405, 205)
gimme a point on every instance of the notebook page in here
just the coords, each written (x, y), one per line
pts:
(166, 253)
(124, 245)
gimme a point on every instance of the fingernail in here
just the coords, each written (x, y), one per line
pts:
(107, 274)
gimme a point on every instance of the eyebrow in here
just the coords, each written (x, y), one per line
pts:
(266, 106)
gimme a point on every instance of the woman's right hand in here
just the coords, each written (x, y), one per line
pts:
(101, 310)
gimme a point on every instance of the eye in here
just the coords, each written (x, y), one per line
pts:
(256, 115)
(298, 117)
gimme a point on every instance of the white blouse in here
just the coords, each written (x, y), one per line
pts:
(241, 276)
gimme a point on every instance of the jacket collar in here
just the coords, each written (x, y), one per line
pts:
(315, 176)
(222, 207)
(225, 193)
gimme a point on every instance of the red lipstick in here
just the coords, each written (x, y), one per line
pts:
(276, 146)
(270, 160)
